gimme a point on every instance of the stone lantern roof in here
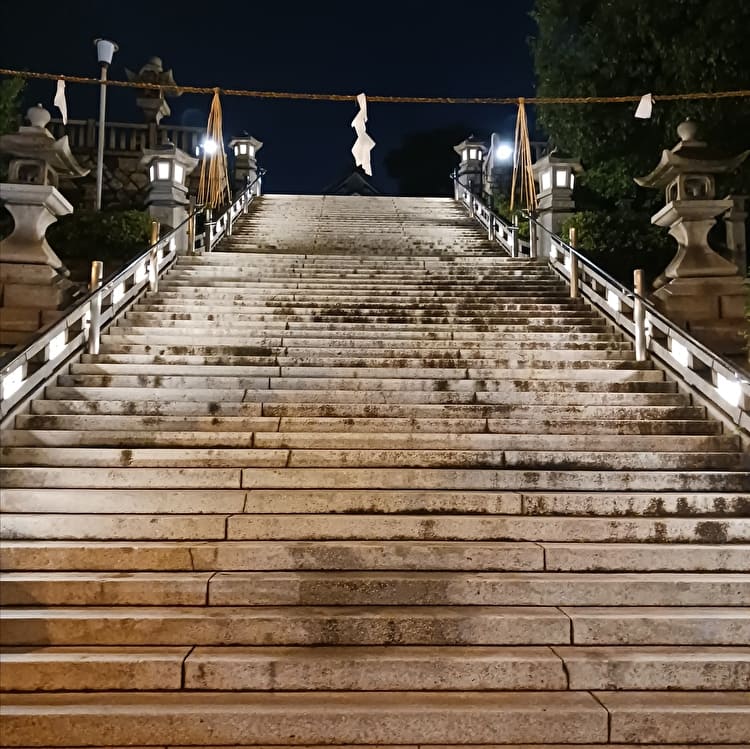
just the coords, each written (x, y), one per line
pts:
(35, 143)
(471, 142)
(689, 156)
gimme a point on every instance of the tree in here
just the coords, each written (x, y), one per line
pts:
(633, 47)
(424, 161)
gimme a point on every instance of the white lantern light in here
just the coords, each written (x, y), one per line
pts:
(547, 180)
(561, 178)
(152, 172)
(572, 180)
(243, 148)
(162, 169)
(179, 173)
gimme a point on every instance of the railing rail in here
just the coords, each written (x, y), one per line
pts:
(23, 372)
(716, 379)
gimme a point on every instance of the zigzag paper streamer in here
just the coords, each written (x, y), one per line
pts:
(364, 143)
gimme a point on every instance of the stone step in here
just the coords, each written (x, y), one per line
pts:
(210, 437)
(506, 556)
(386, 457)
(333, 588)
(298, 669)
(334, 717)
(517, 419)
(160, 556)
(122, 524)
(314, 401)
(369, 478)
(311, 625)
(374, 668)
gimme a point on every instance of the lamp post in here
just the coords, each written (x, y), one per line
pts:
(105, 50)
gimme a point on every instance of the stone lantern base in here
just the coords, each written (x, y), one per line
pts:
(712, 309)
(33, 283)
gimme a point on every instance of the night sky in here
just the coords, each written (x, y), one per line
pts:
(383, 47)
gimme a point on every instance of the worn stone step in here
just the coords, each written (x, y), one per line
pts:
(213, 457)
(683, 503)
(143, 525)
(519, 528)
(204, 555)
(649, 557)
(299, 625)
(439, 589)
(702, 718)
(252, 718)
(656, 668)
(79, 457)
(91, 668)
(666, 625)
(480, 479)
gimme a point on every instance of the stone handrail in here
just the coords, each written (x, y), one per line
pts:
(23, 372)
(127, 137)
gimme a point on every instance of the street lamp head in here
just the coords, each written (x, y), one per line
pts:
(210, 146)
(105, 51)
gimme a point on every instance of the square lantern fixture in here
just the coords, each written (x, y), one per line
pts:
(557, 174)
(245, 148)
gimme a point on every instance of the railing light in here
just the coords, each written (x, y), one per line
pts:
(12, 382)
(118, 293)
(567, 262)
(729, 390)
(140, 273)
(553, 252)
(172, 244)
(56, 346)
(613, 300)
(679, 352)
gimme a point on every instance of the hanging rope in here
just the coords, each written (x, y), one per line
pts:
(523, 174)
(213, 189)
(738, 94)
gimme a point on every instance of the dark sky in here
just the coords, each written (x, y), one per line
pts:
(380, 47)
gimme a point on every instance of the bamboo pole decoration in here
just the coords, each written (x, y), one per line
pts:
(523, 174)
(213, 189)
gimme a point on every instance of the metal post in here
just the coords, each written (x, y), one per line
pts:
(533, 252)
(153, 270)
(95, 306)
(574, 286)
(513, 241)
(490, 226)
(207, 229)
(229, 221)
(639, 316)
(100, 144)
(191, 230)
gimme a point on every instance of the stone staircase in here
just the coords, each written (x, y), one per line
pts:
(357, 479)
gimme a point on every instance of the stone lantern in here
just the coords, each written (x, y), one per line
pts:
(153, 102)
(556, 177)
(470, 170)
(699, 289)
(33, 277)
(168, 168)
(245, 150)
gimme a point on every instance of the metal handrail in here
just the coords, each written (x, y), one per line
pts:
(719, 381)
(23, 371)
(714, 377)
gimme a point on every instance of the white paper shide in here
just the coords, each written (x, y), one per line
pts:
(364, 143)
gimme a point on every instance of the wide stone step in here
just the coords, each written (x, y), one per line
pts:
(210, 436)
(387, 457)
(312, 625)
(373, 589)
(297, 669)
(313, 401)
(515, 420)
(505, 556)
(119, 524)
(370, 717)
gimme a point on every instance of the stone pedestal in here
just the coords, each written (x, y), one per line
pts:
(31, 274)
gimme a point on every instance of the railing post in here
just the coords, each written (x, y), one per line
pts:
(153, 271)
(191, 230)
(574, 286)
(639, 316)
(471, 205)
(229, 221)
(207, 230)
(95, 306)
(490, 226)
(533, 251)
